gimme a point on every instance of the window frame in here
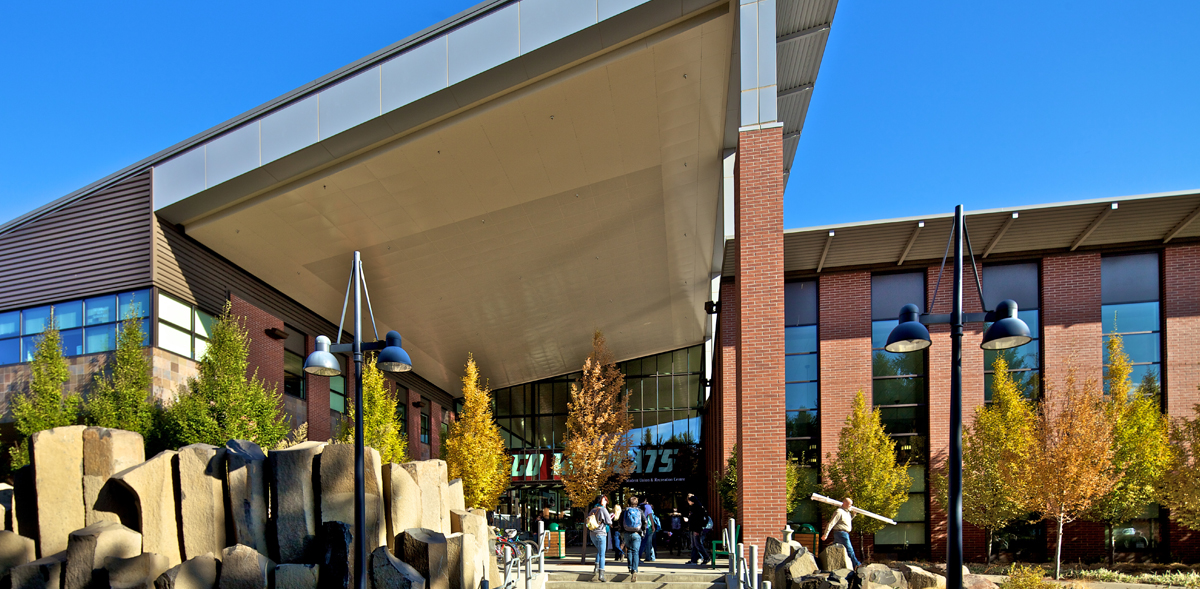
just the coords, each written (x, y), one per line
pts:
(23, 344)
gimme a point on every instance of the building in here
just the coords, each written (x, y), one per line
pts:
(531, 170)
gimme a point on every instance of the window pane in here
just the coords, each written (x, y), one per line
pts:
(10, 351)
(889, 364)
(72, 342)
(807, 512)
(560, 430)
(521, 433)
(174, 340)
(1142, 347)
(681, 397)
(562, 394)
(912, 510)
(679, 363)
(29, 347)
(1129, 317)
(99, 310)
(204, 324)
(696, 359)
(649, 365)
(10, 323)
(696, 395)
(174, 311)
(805, 451)
(898, 391)
(664, 363)
(1026, 382)
(880, 330)
(293, 363)
(901, 533)
(802, 424)
(1030, 317)
(902, 420)
(801, 368)
(912, 449)
(337, 402)
(34, 320)
(69, 315)
(633, 388)
(293, 385)
(337, 384)
(145, 332)
(101, 338)
(503, 402)
(801, 396)
(518, 400)
(136, 304)
(545, 432)
(1139, 374)
(201, 348)
(1017, 358)
(545, 399)
(797, 340)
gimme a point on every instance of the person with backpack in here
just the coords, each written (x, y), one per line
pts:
(633, 527)
(616, 532)
(598, 520)
(653, 525)
(699, 524)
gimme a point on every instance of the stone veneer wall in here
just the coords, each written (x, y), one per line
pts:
(169, 372)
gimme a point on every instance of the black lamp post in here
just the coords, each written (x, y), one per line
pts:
(911, 335)
(392, 358)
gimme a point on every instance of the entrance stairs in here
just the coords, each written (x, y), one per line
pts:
(618, 578)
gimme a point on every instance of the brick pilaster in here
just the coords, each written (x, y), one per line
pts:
(845, 367)
(1181, 307)
(435, 430)
(266, 354)
(1071, 318)
(758, 178)
(729, 341)
(317, 389)
(413, 427)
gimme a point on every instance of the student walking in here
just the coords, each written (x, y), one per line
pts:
(633, 527)
(598, 521)
(653, 525)
(616, 533)
(699, 524)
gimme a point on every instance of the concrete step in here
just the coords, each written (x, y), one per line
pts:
(646, 580)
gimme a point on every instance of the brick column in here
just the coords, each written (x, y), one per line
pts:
(1071, 318)
(844, 329)
(727, 409)
(758, 177)
(435, 430)
(1181, 307)
(413, 427)
(265, 353)
(317, 399)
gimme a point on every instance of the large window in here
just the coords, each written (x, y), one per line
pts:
(1130, 308)
(1018, 282)
(182, 328)
(293, 363)
(534, 415)
(802, 391)
(87, 326)
(900, 392)
(425, 420)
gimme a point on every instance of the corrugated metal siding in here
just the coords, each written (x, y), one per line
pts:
(796, 15)
(98, 244)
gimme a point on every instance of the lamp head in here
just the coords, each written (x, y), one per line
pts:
(321, 362)
(393, 358)
(910, 335)
(1008, 331)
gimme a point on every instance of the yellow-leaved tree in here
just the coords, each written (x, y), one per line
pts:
(997, 442)
(1141, 449)
(865, 469)
(382, 429)
(474, 450)
(1180, 486)
(596, 447)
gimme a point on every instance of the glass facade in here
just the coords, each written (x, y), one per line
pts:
(802, 388)
(1129, 297)
(1018, 282)
(182, 328)
(87, 326)
(425, 420)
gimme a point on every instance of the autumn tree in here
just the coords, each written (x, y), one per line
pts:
(997, 441)
(222, 403)
(1141, 452)
(474, 449)
(596, 446)
(45, 405)
(382, 429)
(797, 486)
(1180, 486)
(121, 398)
(1069, 462)
(866, 469)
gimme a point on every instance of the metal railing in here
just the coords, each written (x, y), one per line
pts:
(521, 554)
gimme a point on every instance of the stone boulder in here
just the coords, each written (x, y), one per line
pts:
(336, 470)
(201, 499)
(245, 472)
(6, 507)
(297, 576)
(243, 567)
(57, 460)
(402, 502)
(784, 570)
(430, 476)
(493, 569)
(941, 569)
(475, 531)
(834, 557)
(919, 578)
(105, 453)
(821, 581)
(389, 572)
(336, 555)
(198, 572)
(138, 572)
(428, 553)
(43, 573)
(773, 570)
(774, 546)
(880, 576)
(454, 495)
(977, 582)
(152, 484)
(463, 561)
(295, 508)
(15, 550)
(88, 548)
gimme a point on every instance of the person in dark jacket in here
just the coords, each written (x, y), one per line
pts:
(699, 525)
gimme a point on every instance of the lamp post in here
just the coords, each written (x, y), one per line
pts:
(911, 335)
(392, 358)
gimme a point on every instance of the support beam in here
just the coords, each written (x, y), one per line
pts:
(825, 252)
(801, 34)
(999, 234)
(911, 240)
(1095, 224)
(796, 90)
(1178, 228)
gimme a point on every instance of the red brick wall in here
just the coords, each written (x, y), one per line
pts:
(1185, 544)
(317, 387)
(413, 427)
(435, 430)
(758, 177)
(1071, 317)
(1181, 307)
(727, 406)
(844, 329)
(1082, 542)
(266, 353)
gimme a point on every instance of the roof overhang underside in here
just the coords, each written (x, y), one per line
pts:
(510, 215)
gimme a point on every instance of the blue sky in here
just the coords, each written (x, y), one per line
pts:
(915, 110)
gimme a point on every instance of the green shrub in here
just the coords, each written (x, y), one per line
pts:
(121, 398)
(1027, 577)
(46, 405)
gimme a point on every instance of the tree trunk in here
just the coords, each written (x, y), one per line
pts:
(1058, 548)
(1112, 547)
(987, 559)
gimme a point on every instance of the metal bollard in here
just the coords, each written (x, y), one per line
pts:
(741, 565)
(528, 566)
(484, 585)
(752, 563)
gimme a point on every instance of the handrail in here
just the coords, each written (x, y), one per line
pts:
(523, 553)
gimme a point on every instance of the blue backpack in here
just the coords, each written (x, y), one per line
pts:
(631, 520)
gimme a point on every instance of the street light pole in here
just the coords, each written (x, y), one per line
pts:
(954, 525)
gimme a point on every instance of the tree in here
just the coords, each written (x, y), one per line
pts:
(1180, 486)
(865, 468)
(797, 485)
(45, 406)
(1141, 452)
(1069, 463)
(596, 446)
(121, 399)
(997, 442)
(474, 449)
(222, 403)
(727, 484)
(382, 429)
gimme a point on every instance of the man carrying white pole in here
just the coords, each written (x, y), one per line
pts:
(841, 526)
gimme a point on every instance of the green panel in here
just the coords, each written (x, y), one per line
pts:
(901, 534)
(917, 474)
(912, 510)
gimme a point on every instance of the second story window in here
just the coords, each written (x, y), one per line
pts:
(87, 326)
(1129, 299)
(1018, 282)
(293, 363)
(425, 420)
(182, 328)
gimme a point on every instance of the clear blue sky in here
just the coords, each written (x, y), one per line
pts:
(917, 108)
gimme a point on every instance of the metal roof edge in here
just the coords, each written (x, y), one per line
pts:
(329, 79)
(1018, 209)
